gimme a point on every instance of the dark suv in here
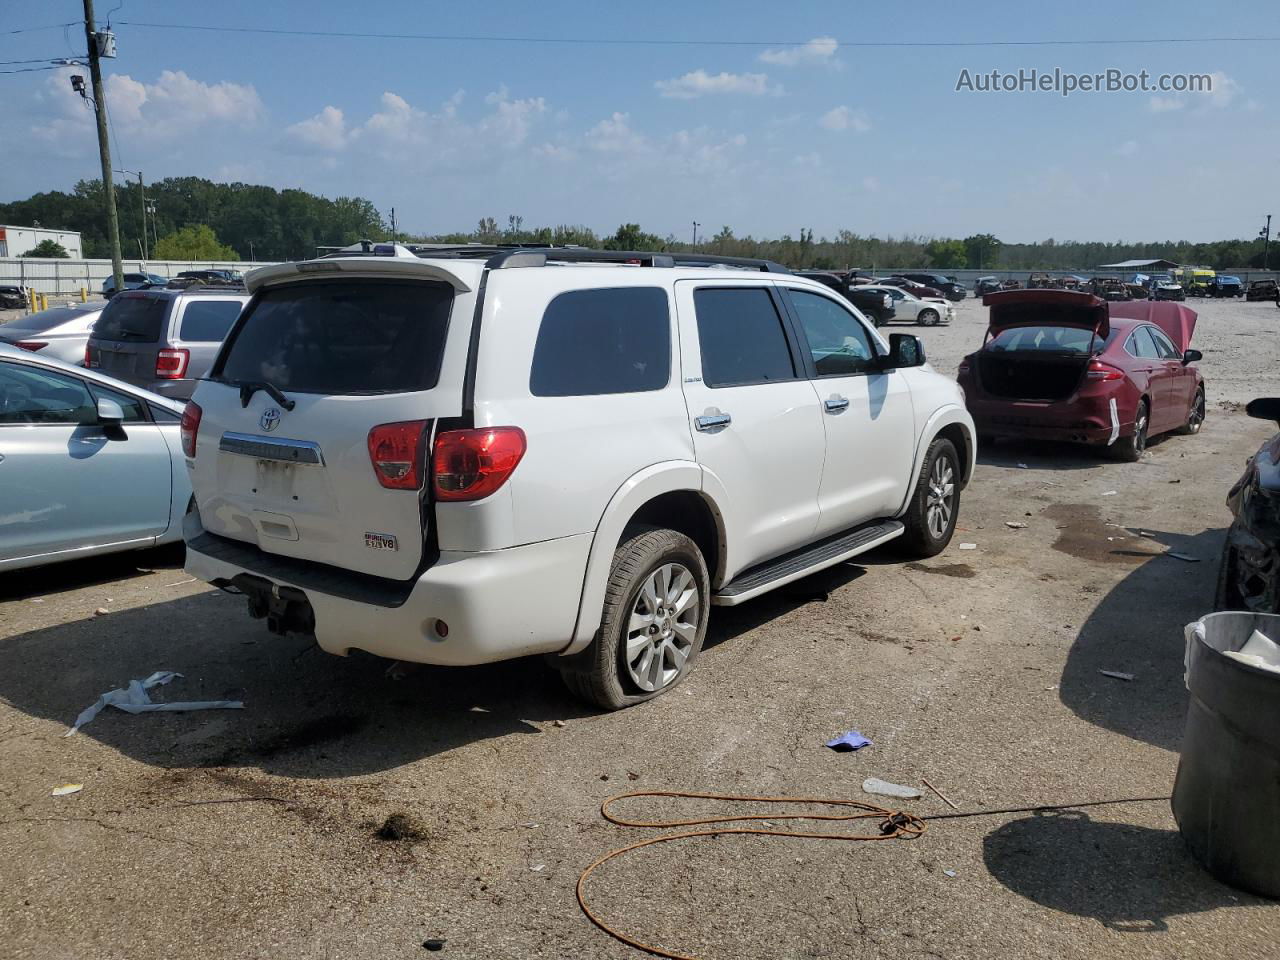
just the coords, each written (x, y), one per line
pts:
(161, 338)
(875, 306)
(949, 288)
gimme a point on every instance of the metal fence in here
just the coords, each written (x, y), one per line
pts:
(63, 276)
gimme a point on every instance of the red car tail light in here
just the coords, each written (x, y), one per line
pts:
(1104, 371)
(398, 451)
(471, 464)
(32, 345)
(171, 364)
(190, 428)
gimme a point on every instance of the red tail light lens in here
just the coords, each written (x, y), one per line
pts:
(471, 464)
(32, 345)
(88, 359)
(190, 428)
(1104, 371)
(398, 452)
(171, 364)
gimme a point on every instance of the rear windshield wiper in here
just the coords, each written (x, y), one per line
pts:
(249, 387)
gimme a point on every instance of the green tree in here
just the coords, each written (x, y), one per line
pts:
(946, 254)
(195, 242)
(629, 236)
(981, 250)
(48, 248)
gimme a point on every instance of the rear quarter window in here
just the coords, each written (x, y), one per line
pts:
(595, 342)
(342, 337)
(208, 321)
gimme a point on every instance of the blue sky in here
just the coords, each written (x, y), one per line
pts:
(766, 139)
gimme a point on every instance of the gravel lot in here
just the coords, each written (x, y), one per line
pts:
(256, 833)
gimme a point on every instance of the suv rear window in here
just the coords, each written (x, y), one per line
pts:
(593, 342)
(208, 320)
(138, 319)
(343, 337)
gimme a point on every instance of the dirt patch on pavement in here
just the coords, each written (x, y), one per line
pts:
(1083, 534)
(961, 570)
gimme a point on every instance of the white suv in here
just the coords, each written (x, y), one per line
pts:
(468, 455)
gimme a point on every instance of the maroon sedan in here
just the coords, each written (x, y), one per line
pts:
(1064, 365)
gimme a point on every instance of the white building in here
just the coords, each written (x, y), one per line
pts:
(15, 241)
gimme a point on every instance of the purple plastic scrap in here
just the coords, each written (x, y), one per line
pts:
(848, 742)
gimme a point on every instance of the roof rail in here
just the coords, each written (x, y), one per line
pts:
(539, 256)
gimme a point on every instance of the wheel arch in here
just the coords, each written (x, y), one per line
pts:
(666, 495)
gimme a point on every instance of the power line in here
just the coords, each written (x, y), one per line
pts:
(9, 63)
(51, 26)
(56, 66)
(616, 41)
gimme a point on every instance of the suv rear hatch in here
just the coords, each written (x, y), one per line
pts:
(1040, 343)
(126, 338)
(297, 407)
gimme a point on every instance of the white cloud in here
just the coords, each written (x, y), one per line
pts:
(871, 184)
(614, 135)
(1165, 104)
(512, 120)
(699, 83)
(1222, 91)
(1128, 148)
(842, 118)
(819, 50)
(326, 131)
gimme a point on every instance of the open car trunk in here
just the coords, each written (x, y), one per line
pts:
(1040, 343)
(1175, 319)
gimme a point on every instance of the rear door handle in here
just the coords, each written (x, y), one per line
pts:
(835, 403)
(711, 421)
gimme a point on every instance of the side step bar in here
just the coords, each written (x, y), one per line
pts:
(800, 563)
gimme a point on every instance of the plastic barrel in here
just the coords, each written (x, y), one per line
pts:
(1226, 798)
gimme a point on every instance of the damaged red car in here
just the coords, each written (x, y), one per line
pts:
(1069, 366)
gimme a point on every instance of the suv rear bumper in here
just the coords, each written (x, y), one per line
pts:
(498, 604)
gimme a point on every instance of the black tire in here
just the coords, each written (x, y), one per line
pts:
(600, 674)
(920, 540)
(929, 318)
(1195, 415)
(1130, 449)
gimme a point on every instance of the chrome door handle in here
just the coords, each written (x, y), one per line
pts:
(836, 403)
(710, 422)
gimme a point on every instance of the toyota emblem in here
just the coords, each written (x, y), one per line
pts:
(270, 419)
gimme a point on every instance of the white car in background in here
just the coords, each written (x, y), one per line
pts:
(59, 332)
(928, 312)
(88, 464)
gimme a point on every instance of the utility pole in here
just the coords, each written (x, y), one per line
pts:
(1266, 241)
(252, 258)
(394, 235)
(155, 231)
(142, 206)
(696, 225)
(104, 149)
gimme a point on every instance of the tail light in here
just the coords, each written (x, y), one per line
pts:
(471, 464)
(1104, 371)
(171, 364)
(88, 359)
(32, 345)
(190, 428)
(398, 451)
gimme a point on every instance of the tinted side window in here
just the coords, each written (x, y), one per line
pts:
(132, 407)
(208, 320)
(840, 345)
(593, 342)
(161, 415)
(1164, 346)
(1141, 345)
(33, 395)
(741, 337)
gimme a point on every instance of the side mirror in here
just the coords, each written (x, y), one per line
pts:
(111, 418)
(906, 350)
(1191, 356)
(1264, 408)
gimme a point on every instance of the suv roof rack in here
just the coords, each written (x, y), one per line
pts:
(539, 257)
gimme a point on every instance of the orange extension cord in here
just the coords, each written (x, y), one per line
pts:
(893, 825)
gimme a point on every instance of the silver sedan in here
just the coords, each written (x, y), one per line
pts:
(59, 332)
(88, 464)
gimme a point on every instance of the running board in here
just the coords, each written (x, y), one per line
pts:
(800, 563)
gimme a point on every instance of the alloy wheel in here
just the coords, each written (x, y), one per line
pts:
(663, 626)
(940, 499)
(1195, 419)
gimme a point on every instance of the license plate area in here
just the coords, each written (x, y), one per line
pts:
(381, 541)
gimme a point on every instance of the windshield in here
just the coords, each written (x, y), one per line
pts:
(133, 318)
(342, 337)
(1074, 341)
